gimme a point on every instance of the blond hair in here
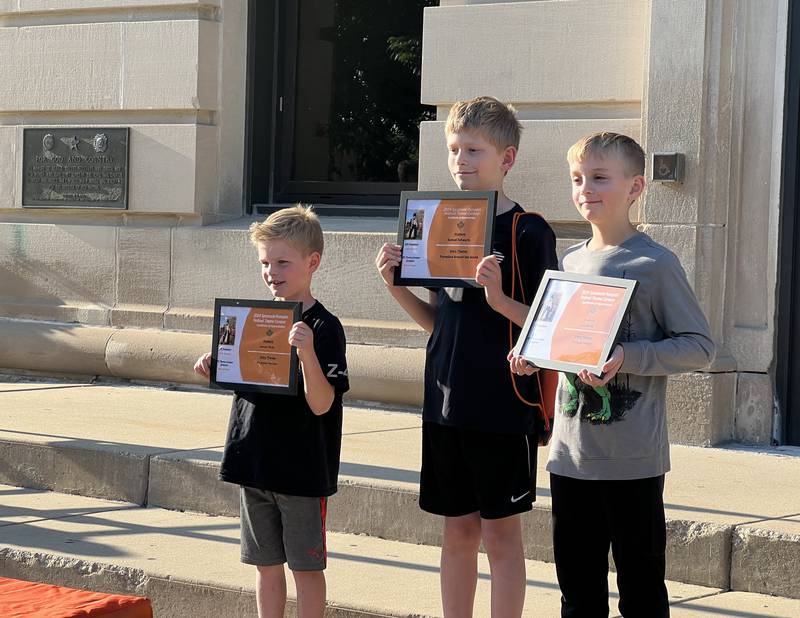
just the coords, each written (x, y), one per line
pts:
(298, 225)
(496, 121)
(604, 143)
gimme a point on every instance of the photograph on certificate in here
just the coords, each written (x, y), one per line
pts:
(574, 321)
(250, 347)
(443, 235)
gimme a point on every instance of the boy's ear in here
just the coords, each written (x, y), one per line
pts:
(313, 261)
(636, 187)
(509, 158)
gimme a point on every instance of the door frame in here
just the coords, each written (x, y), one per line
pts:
(787, 331)
(272, 70)
(262, 18)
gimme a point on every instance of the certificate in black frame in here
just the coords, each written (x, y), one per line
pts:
(547, 309)
(411, 239)
(231, 337)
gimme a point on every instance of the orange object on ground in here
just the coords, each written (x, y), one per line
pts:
(20, 599)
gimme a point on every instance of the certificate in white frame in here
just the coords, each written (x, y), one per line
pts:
(574, 321)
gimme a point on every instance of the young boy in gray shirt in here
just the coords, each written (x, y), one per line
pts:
(610, 449)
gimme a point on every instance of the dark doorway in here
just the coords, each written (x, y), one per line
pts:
(343, 81)
(787, 380)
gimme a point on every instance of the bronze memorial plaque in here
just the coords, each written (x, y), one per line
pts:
(75, 168)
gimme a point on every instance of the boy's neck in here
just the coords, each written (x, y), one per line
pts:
(307, 300)
(504, 203)
(609, 236)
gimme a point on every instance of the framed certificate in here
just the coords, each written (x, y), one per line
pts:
(574, 321)
(250, 348)
(443, 235)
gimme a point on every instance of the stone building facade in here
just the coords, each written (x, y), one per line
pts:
(128, 292)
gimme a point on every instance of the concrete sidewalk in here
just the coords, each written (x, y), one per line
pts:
(188, 564)
(734, 514)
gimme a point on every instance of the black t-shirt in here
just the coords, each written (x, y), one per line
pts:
(467, 377)
(275, 442)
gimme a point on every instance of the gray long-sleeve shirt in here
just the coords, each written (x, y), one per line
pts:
(620, 432)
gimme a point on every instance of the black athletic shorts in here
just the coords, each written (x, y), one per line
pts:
(466, 471)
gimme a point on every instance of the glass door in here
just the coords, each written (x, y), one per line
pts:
(348, 91)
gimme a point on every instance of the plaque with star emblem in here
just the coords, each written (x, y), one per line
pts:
(443, 235)
(250, 348)
(75, 167)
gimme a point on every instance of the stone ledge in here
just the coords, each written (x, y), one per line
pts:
(100, 440)
(766, 558)
(697, 552)
(100, 474)
(87, 314)
(377, 373)
(188, 485)
(51, 6)
(146, 550)
(700, 405)
(171, 596)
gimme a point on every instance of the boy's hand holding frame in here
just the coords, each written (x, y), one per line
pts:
(572, 326)
(609, 370)
(520, 366)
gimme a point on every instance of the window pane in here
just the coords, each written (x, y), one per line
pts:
(357, 109)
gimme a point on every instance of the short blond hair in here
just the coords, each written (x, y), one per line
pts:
(604, 143)
(298, 225)
(495, 120)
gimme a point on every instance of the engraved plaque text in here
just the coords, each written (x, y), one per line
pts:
(75, 168)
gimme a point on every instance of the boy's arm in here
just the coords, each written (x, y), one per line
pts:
(422, 312)
(687, 344)
(318, 391)
(488, 275)
(536, 253)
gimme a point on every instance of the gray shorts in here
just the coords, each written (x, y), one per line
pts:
(277, 528)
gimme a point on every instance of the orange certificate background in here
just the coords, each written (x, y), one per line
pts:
(584, 326)
(456, 238)
(264, 351)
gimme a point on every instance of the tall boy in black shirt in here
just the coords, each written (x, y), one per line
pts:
(284, 450)
(478, 437)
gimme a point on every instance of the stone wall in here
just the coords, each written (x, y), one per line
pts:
(171, 70)
(701, 77)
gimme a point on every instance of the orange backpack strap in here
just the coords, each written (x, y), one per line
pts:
(547, 378)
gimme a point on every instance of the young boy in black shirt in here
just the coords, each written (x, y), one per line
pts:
(284, 450)
(479, 437)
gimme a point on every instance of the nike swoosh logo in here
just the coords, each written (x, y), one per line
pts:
(518, 498)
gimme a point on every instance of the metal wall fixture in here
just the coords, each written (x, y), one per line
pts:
(667, 167)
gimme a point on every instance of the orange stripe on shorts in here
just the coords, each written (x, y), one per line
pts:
(323, 509)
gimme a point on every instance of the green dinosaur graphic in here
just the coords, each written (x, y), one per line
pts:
(598, 405)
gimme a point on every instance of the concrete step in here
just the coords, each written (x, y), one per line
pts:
(734, 514)
(188, 564)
